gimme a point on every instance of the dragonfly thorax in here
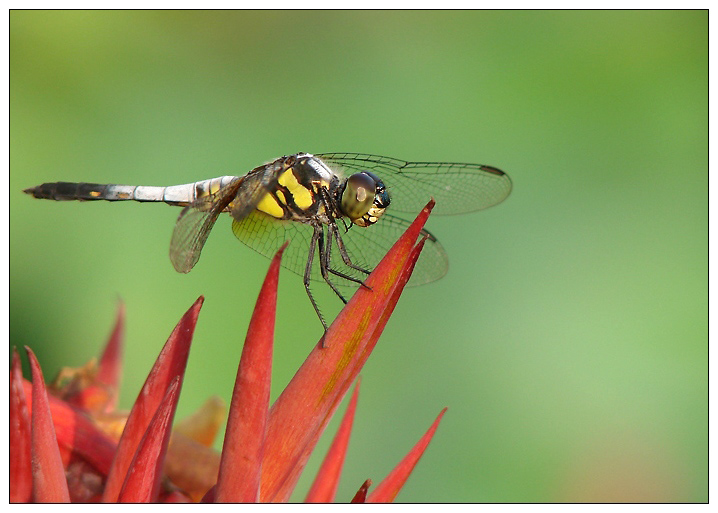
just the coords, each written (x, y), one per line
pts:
(297, 193)
(362, 197)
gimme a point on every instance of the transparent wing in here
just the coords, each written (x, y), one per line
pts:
(194, 224)
(265, 234)
(365, 246)
(457, 188)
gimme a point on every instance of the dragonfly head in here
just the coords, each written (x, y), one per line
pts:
(364, 198)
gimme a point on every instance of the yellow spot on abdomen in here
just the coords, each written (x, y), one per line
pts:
(302, 196)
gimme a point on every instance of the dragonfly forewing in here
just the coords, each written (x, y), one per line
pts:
(457, 188)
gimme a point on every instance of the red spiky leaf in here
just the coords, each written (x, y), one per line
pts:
(48, 475)
(243, 448)
(170, 363)
(360, 496)
(109, 368)
(143, 476)
(325, 484)
(20, 436)
(387, 490)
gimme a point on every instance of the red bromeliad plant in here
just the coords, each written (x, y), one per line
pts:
(67, 443)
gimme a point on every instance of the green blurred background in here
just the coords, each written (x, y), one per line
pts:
(569, 339)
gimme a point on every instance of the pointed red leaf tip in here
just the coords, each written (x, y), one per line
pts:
(324, 488)
(95, 387)
(20, 437)
(302, 411)
(48, 474)
(243, 449)
(387, 490)
(403, 280)
(109, 370)
(142, 483)
(170, 363)
(360, 496)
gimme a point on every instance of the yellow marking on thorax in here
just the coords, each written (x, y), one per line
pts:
(269, 205)
(302, 196)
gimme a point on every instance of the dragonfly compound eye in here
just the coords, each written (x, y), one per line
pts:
(358, 195)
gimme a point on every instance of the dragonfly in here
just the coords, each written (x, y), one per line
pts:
(324, 204)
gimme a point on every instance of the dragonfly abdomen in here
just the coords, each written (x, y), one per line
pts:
(67, 191)
(173, 195)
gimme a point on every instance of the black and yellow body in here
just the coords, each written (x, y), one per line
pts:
(314, 201)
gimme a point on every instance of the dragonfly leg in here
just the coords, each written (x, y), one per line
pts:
(345, 255)
(308, 273)
(331, 231)
(324, 257)
(347, 277)
(334, 233)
